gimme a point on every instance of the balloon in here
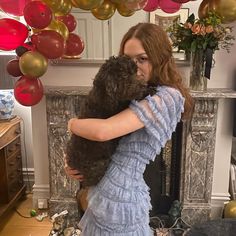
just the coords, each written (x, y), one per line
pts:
(181, 1)
(33, 64)
(65, 8)
(169, 6)
(21, 50)
(123, 10)
(49, 43)
(87, 4)
(226, 9)
(105, 11)
(74, 46)
(135, 5)
(13, 68)
(54, 5)
(57, 26)
(12, 34)
(37, 14)
(230, 209)
(28, 91)
(151, 5)
(69, 21)
(13, 7)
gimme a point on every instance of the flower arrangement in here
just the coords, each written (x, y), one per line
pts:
(201, 34)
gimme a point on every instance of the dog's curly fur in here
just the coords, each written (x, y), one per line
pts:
(114, 86)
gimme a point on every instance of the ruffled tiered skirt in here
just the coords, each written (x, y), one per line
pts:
(118, 205)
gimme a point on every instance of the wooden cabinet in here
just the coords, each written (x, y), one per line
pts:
(12, 186)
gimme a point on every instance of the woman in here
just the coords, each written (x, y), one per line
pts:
(120, 203)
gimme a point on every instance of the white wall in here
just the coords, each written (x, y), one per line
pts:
(222, 77)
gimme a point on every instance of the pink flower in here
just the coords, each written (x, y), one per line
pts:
(209, 29)
(196, 29)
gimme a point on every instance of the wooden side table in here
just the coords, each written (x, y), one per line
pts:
(12, 186)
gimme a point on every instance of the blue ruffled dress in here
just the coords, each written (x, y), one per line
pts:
(119, 205)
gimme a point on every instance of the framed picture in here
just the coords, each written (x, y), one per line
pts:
(164, 20)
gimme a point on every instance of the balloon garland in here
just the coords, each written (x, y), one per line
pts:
(49, 33)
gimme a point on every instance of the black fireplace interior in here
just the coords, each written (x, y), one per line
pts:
(163, 175)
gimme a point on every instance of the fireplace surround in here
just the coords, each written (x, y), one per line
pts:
(196, 161)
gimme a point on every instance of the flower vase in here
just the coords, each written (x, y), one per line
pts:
(6, 104)
(198, 82)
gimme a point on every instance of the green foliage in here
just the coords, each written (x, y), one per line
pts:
(200, 34)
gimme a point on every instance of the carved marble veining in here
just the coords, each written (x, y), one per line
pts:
(197, 158)
(60, 108)
(198, 161)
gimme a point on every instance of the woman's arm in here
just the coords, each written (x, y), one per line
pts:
(106, 129)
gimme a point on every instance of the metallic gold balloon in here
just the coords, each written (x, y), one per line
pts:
(123, 10)
(230, 209)
(87, 4)
(54, 5)
(63, 30)
(33, 64)
(59, 27)
(118, 1)
(227, 10)
(105, 11)
(64, 9)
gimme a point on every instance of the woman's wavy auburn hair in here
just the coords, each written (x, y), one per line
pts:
(159, 51)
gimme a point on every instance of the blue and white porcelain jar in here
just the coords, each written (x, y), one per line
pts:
(6, 104)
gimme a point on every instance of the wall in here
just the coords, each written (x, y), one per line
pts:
(35, 117)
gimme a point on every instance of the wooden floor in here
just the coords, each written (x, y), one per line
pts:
(12, 224)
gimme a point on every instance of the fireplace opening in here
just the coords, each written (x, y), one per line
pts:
(163, 175)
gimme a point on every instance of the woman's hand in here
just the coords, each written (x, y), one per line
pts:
(69, 125)
(72, 173)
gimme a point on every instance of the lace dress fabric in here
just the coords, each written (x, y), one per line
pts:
(119, 205)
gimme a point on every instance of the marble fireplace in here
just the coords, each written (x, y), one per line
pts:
(196, 161)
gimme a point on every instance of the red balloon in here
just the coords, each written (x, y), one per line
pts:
(169, 6)
(13, 7)
(181, 1)
(74, 45)
(69, 21)
(49, 43)
(28, 91)
(37, 14)
(12, 34)
(13, 68)
(151, 5)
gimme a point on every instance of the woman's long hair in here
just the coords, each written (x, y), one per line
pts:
(159, 51)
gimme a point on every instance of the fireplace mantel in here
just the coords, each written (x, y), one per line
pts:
(197, 157)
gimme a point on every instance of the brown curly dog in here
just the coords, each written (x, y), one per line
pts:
(114, 86)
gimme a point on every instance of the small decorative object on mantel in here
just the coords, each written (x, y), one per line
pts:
(200, 38)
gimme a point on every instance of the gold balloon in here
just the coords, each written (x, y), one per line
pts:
(230, 209)
(118, 1)
(33, 64)
(62, 29)
(54, 5)
(64, 9)
(59, 27)
(105, 11)
(226, 9)
(123, 10)
(87, 4)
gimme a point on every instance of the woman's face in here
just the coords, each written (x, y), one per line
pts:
(134, 49)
